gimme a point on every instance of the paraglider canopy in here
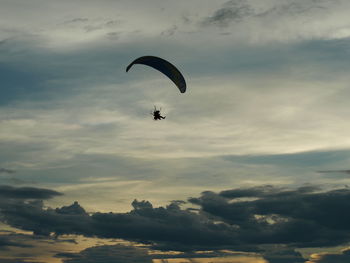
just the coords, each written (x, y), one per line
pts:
(163, 66)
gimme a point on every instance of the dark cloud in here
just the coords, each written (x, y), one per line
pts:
(169, 225)
(283, 256)
(232, 11)
(235, 11)
(6, 241)
(282, 216)
(331, 258)
(224, 220)
(18, 260)
(32, 216)
(24, 247)
(11, 192)
(266, 191)
(74, 209)
(8, 171)
(135, 254)
(108, 254)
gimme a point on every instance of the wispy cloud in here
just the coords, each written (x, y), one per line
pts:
(235, 11)
(335, 171)
(232, 11)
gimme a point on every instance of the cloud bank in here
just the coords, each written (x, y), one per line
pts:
(237, 219)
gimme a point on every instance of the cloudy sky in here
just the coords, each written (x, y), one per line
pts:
(250, 165)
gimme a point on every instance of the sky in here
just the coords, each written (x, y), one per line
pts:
(251, 164)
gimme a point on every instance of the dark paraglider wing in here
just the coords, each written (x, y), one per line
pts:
(163, 66)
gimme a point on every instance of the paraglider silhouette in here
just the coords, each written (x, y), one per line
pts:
(163, 66)
(156, 114)
(167, 69)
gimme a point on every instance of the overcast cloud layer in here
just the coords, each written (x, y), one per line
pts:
(266, 103)
(74, 96)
